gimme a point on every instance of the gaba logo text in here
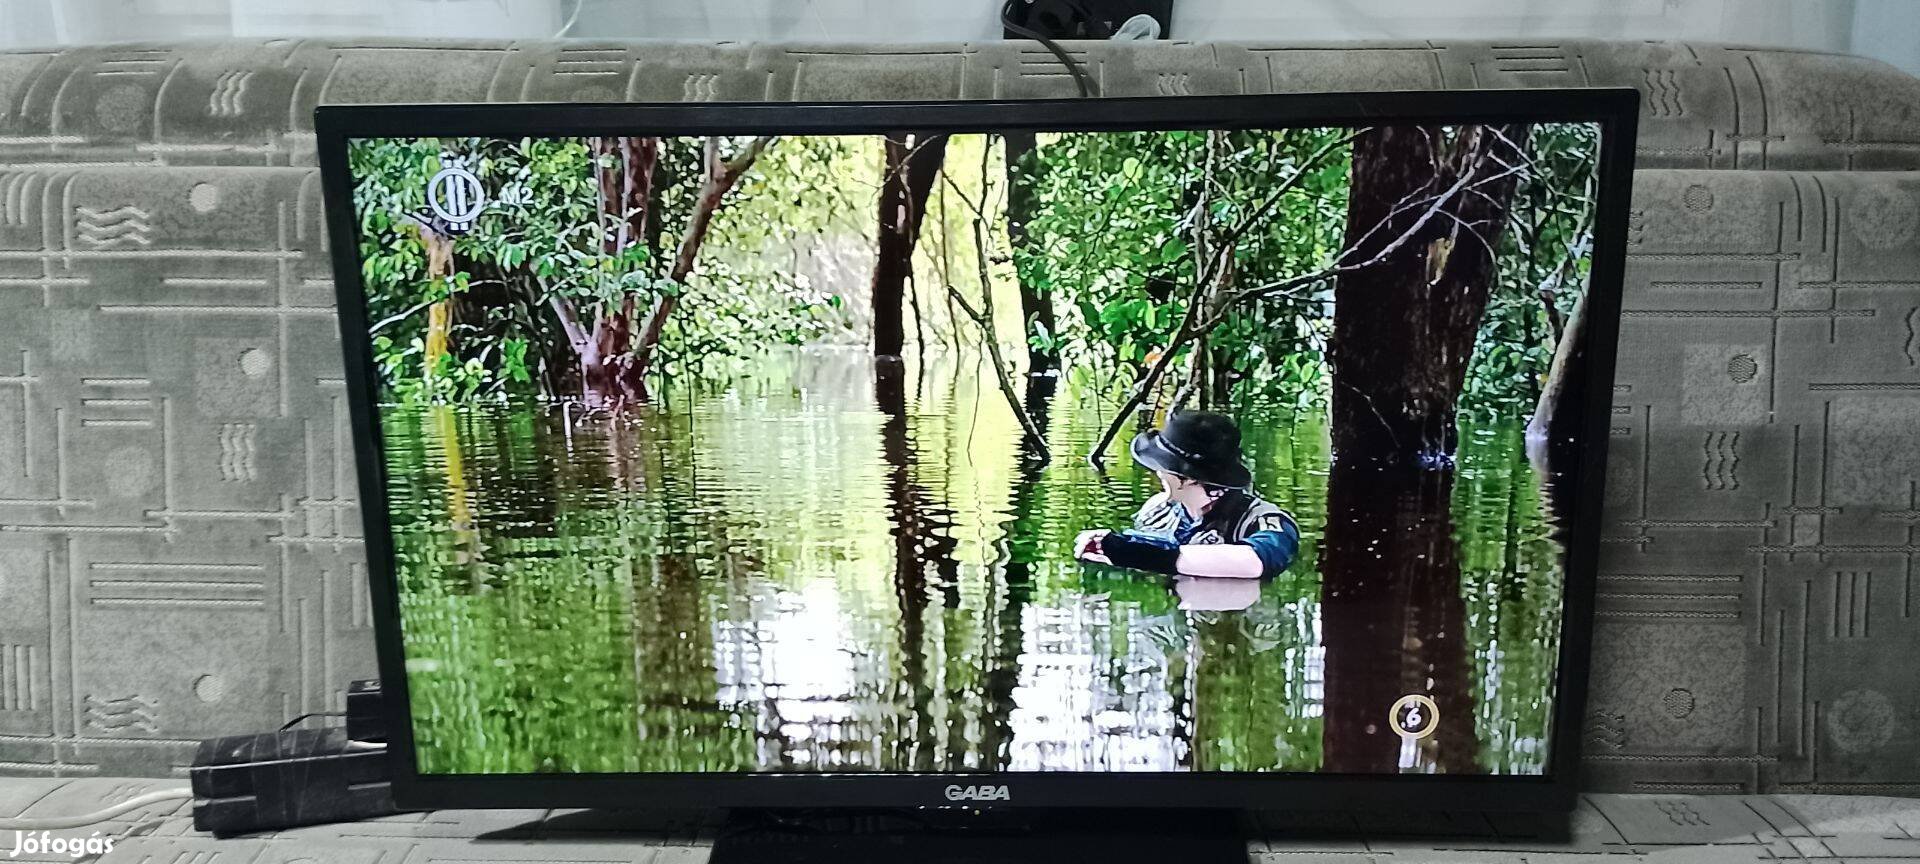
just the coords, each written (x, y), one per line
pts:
(977, 793)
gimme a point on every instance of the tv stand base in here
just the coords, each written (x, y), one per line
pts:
(956, 835)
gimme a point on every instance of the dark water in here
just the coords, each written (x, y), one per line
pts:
(784, 576)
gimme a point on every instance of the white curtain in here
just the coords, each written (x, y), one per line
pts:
(1888, 29)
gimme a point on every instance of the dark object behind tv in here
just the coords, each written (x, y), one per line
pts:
(1082, 19)
(1614, 109)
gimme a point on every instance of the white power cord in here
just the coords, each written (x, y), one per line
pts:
(571, 20)
(50, 823)
(1139, 27)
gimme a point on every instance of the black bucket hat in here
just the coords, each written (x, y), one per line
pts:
(1198, 445)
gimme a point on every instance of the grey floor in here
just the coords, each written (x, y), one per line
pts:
(1608, 829)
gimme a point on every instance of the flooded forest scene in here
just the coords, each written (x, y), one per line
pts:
(773, 454)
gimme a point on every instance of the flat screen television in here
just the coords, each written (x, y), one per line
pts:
(1236, 452)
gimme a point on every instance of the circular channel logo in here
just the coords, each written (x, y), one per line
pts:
(455, 195)
(1414, 716)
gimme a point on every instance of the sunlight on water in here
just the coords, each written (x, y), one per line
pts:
(815, 572)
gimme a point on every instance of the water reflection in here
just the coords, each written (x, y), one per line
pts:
(1209, 594)
(1393, 620)
(849, 568)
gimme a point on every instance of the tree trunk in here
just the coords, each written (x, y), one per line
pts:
(1036, 308)
(439, 319)
(1222, 379)
(439, 315)
(623, 174)
(912, 163)
(623, 170)
(1403, 336)
(1554, 430)
(1404, 329)
(718, 178)
(1392, 618)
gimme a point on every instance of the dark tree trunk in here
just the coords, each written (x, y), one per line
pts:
(1404, 328)
(623, 169)
(912, 164)
(1393, 620)
(1036, 308)
(1221, 368)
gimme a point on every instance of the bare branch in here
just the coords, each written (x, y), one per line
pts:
(982, 318)
(398, 317)
(569, 320)
(919, 142)
(1475, 231)
(1203, 312)
(1147, 379)
(1434, 205)
(720, 177)
(1287, 185)
(1434, 202)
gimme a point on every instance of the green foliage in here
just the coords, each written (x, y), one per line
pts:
(755, 287)
(537, 189)
(1116, 243)
(393, 263)
(1543, 259)
(542, 237)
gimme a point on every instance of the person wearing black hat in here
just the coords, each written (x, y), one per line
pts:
(1206, 520)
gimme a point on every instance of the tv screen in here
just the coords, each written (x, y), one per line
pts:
(775, 442)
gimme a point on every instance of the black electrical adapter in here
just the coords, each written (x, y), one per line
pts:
(364, 722)
(248, 783)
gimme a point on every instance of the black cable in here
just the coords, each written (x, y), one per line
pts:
(297, 720)
(1081, 79)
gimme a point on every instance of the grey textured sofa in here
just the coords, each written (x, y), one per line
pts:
(178, 550)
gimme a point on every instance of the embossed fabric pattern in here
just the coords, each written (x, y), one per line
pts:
(179, 552)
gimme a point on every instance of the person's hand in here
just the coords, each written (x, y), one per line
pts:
(1086, 547)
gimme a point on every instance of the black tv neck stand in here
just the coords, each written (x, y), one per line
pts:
(956, 835)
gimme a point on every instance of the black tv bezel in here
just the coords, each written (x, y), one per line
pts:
(1614, 109)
